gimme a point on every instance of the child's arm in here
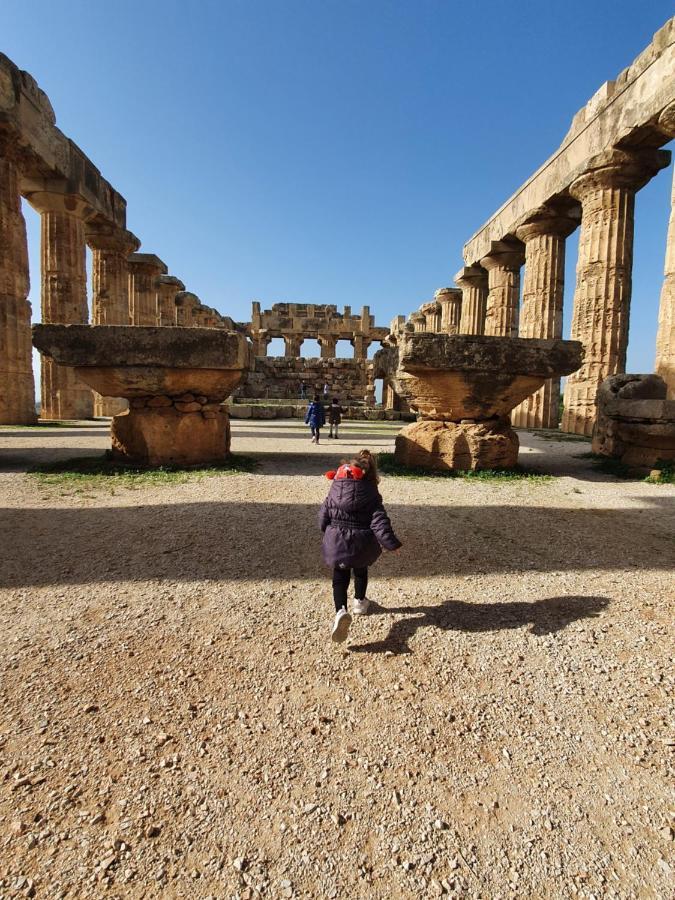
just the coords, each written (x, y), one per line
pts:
(381, 528)
(324, 515)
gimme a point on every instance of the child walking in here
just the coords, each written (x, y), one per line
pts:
(355, 528)
(334, 417)
(315, 418)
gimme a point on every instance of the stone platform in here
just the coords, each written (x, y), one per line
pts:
(464, 387)
(174, 378)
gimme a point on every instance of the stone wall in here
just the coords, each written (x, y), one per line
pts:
(279, 378)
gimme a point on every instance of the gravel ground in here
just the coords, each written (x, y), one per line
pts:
(175, 722)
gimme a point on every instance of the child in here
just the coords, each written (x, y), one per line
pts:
(355, 527)
(315, 418)
(334, 417)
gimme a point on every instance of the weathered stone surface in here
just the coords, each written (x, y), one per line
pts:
(17, 389)
(604, 271)
(471, 382)
(622, 112)
(144, 270)
(179, 348)
(166, 437)
(473, 282)
(64, 297)
(488, 444)
(665, 335)
(503, 265)
(635, 424)
(541, 315)
(162, 371)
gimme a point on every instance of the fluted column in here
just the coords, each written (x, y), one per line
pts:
(450, 300)
(604, 273)
(328, 343)
(503, 266)
(665, 335)
(473, 282)
(17, 387)
(144, 269)
(110, 247)
(167, 288)
(360, 345)
(418, 321)
(64, 296)
(292, 343)
(541, 315)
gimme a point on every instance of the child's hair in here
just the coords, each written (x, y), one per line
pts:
(368, 463)
(316, 398)
(335, 399)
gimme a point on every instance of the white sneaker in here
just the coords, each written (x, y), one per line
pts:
(341, 626)
(360, 607)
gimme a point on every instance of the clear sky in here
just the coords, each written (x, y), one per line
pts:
(330, 151)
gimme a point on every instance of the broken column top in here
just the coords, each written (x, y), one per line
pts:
(118, 346)
(148, 259)
(486, 353)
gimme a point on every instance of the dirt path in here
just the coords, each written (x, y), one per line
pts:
(175, 722)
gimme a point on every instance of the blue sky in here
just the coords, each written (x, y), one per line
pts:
(325, 151)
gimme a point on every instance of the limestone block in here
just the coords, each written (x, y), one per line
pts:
(490, 444)
(166, 437)
(240, 411)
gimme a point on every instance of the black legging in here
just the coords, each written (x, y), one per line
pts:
(341, 583)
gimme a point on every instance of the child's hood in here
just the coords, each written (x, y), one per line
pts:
(352, 494)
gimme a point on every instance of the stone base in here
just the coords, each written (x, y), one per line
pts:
(635, 423)
(166, 437)
(487, 444)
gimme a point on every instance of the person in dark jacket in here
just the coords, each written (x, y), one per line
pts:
(355, 528)
(334, 417)
(315, 417)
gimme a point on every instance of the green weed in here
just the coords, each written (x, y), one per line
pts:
(388, 466)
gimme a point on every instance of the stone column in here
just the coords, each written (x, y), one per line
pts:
(450, 300)
(360, 343)
(327, 342)
(503, 265)
(541, 316)
(418, 321)
(292, 344)
(167, 288)
(665, 336)
(473, 282)
(17, 388)
(144, 270)
(260, 344)
(604, 269)
(110, 248)
(64, 296)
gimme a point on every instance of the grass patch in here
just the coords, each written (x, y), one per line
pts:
(388, 466)
(86, 472)
(610, 466)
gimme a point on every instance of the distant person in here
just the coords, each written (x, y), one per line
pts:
(355, 528)
(315, 418)
(334, 417)
(303, 390)
(325, 391)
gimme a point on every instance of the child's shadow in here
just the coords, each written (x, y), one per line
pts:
(544, 616)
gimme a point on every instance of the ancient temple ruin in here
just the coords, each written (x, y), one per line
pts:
(612, 149)
(279, 378)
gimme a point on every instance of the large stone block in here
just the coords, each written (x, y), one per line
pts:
(167, 437)
(491, 444)
(630, 425)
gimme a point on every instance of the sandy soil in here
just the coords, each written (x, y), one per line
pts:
(175, 722)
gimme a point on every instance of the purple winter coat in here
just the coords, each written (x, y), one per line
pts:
(355, 525)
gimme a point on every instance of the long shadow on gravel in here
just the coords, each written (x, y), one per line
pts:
(248, 541)
(543, 616)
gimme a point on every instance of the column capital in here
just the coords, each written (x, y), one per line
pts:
(170, 281)
(106, 236)
(471, 276)
(666, 121)
(447, 293)
(546, 220)
(630, 169)
(503, 256)
(147, 262)
(53, 196)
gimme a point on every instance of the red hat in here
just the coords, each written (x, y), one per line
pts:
(346, 471)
